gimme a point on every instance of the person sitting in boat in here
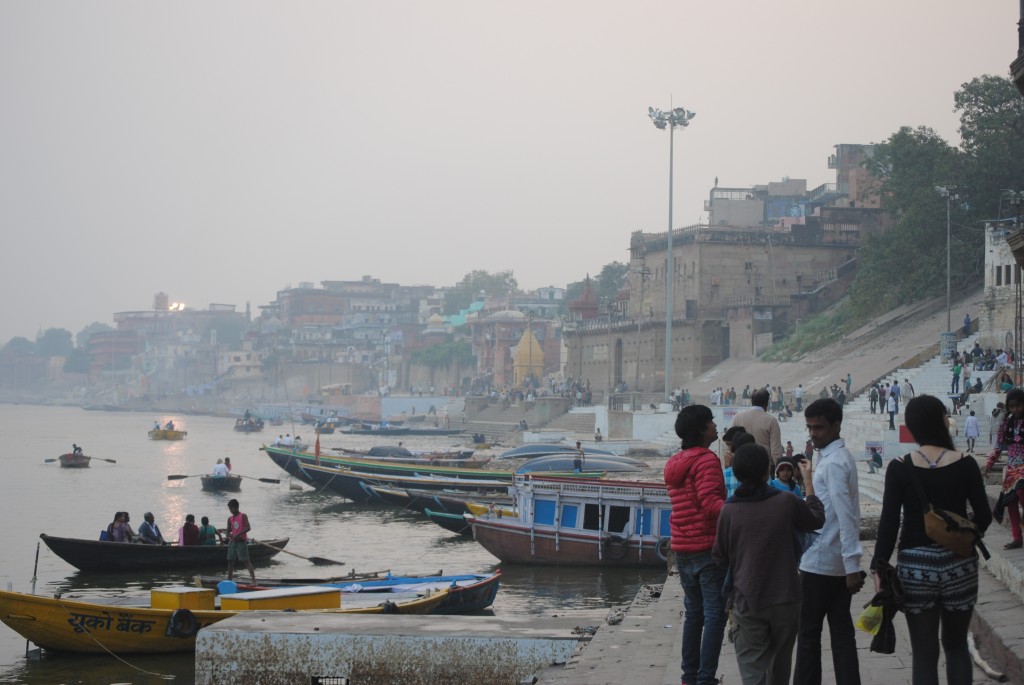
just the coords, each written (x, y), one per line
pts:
(119, 530)
(156, 425)
(189, 533)
(209, 535)
(288, 440)
(75, 449)
(298, 442)
(149, 532)
(227, 463)
(220, 470)
(170, 425)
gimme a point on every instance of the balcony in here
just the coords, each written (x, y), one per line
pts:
(825, 193)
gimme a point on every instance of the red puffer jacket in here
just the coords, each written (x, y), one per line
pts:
(697, 488)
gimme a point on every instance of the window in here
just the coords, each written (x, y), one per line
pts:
(618, 518)
(664, 523)
(1007, 276)
(544, 512)
(999, 275)
(569, 515)
(591, 517)
(643, 525)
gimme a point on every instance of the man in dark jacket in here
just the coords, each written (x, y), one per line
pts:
(696, 487)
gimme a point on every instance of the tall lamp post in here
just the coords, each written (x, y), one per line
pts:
(947, 192)
(670, 120)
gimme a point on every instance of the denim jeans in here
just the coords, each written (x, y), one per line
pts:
(704, 618)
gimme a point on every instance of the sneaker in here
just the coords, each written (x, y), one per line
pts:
(1016, 544)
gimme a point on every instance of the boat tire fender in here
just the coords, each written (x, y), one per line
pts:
(616, 546)
(663, 547)
(184, 624)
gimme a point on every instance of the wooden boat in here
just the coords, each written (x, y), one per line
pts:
(592, 462)
(376, 429)
(456, 523)
(221, 484)
(166, 434)
(70, 460)
(537, 449)
(489, 509)
(580, 522)
(250, 425)
(114, 557)
(466, 591)
(439, 500)
(355, 485)
(67, 625)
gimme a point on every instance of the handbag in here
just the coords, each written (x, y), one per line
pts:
(956, 533)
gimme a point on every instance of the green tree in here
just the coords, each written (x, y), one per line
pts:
(476, 282)
(78, 361)
(908, 262)
(609, 281)
(446, 354)
(19, 347)
(54, 342)
(229, 327)
(82, 339)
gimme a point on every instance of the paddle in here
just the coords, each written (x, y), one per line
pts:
(112, 461)
(318, 561)
(179, 476)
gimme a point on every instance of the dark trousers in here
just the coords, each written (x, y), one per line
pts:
(825, 596)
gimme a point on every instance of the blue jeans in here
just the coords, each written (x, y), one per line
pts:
(704, 618)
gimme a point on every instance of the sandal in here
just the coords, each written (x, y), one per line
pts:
(1016, 544)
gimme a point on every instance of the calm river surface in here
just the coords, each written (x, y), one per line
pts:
(42, 498)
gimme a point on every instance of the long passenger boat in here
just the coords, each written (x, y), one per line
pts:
(355, 485)
(580, 522)
(174, 616)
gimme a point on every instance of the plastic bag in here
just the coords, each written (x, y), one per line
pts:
(870, 619)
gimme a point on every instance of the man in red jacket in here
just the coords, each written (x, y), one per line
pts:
(697, 489)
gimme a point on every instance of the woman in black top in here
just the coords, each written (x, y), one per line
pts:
(941, 588)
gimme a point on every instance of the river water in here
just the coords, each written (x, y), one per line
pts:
(40, 497)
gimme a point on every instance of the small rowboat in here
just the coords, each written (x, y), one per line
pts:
(166, 434)
(221, 483)
(120, 557)
(86, 627)
(71, 460)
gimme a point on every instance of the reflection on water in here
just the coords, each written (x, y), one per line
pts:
(42, 498)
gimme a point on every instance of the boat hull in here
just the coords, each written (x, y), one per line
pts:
(215, 484)
(88, 628)
(166, 434)
(116, 557)
(512, 543)
(455, 523)
(74, 461)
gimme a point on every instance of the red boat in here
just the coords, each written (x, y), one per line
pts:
(71, 460)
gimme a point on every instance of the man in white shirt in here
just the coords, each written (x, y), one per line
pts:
(830, 569)
(220, 470)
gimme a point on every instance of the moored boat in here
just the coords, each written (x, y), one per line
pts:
(466, 591)
(249, 425)
(456, 523)
(221, 483)
(71, 460)
(355, 485)
(114, 557)
(538, 449)
(67, 625)
(580, 522)
(166, 434)
(563, 462)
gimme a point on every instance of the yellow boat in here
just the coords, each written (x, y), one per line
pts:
(166, 434)
(493, 510)
(175, 616)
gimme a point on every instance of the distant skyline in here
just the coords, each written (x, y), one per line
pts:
(222, 152)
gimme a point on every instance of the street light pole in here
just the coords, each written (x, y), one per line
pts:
(947, 192)
(675, 117)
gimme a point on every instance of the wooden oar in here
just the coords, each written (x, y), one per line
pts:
(112, 461)
(319, 561)
(179, 476)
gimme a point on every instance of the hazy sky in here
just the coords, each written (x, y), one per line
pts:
(222, 151)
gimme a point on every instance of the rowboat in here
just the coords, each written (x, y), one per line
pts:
(70, 460)
(416, 499)
(455, 523)
(114, 557)
(249, 425)
(592, 462)
(66, 625)
(221, 483)
(581, 522)
(166, 434)
(466, 591)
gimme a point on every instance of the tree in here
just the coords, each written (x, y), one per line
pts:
(82, 339)
(19, 347)
(54, 342)
(609, 281)
(78, 361)
(908, 262)
(476, 282)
